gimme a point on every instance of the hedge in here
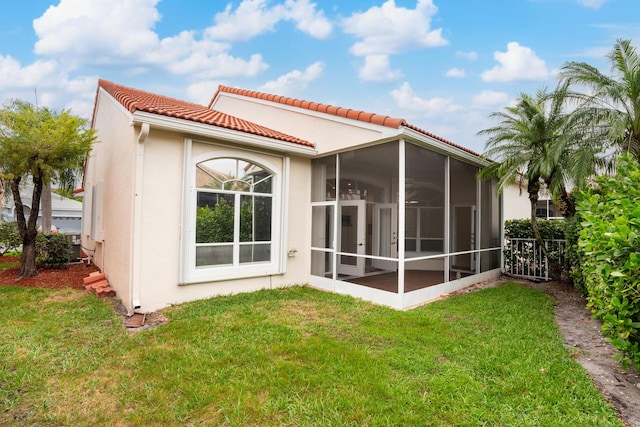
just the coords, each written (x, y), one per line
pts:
(608, 251)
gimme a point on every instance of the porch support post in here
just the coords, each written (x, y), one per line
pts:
(477, 244)
(447, 218)
(336, 224)
(401, 216)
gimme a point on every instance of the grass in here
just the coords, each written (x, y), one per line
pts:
(8, 264)
(292, 357)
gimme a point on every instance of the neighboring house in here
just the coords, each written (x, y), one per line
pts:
(517, 205)
(183, 201)
(66, 214)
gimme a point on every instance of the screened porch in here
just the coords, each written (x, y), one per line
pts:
(399, 224)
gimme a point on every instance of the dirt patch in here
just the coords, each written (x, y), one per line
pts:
(583, 337)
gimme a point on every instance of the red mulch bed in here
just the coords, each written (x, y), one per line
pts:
(47, 277)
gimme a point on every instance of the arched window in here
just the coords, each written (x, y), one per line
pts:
(234, 213)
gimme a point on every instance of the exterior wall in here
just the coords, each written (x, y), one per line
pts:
(112, 162)
(516, 203)
(157, 250)
(328, 135)
(158, 283)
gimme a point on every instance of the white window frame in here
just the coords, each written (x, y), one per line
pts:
(189, 273)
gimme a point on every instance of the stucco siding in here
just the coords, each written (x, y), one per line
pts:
(161, 244)
(112, 162)
(329, 134)
(158, 254)
(516, 203)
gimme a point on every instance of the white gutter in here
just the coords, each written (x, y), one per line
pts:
(220, 133)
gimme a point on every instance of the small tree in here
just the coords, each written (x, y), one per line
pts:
(35, 144)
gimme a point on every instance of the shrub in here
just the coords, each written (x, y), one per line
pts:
(52, 250)
(9, 237)
(572, 233)
(609, 255)
(521, 228)
(215, 225)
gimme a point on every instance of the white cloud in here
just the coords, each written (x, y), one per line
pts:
(593, 4)
(456, 73)
(390, 30)
(255, 17)
(387, 30)
(307, 19)
(471, 56)
(376, 68)
(517, 63)
(201, 65)
(201, 92)
(489, 98)
(408, 100)
(81, 28)
(295, 81)
(47, 81)
(251, 18)
(120, 32)
(13, 75)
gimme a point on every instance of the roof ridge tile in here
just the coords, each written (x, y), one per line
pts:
(373, 118)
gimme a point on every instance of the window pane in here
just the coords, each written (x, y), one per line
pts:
(214, 218)
(233, 175)
(237, 185)
(214, 255)
(263, 183)
(246, 219)
(262, 217)
(255, 219)
(234, 207)
(410, 245)
(255, 253)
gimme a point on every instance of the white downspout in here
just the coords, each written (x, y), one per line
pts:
(136, 244)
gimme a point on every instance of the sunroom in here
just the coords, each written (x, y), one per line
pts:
(402, 222)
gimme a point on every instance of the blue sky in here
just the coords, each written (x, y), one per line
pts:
(444, 65)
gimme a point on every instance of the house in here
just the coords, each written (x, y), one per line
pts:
(184, 201)
(518, 206)
(66, 214)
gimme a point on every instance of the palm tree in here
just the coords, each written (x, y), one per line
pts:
(613, 100)
(539, 141)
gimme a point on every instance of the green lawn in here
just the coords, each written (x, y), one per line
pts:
(293, 357)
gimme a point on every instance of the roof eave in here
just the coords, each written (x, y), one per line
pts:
(441, 146)
(220, 133)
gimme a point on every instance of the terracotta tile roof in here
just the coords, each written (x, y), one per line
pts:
(137, 100)
(363, 116)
